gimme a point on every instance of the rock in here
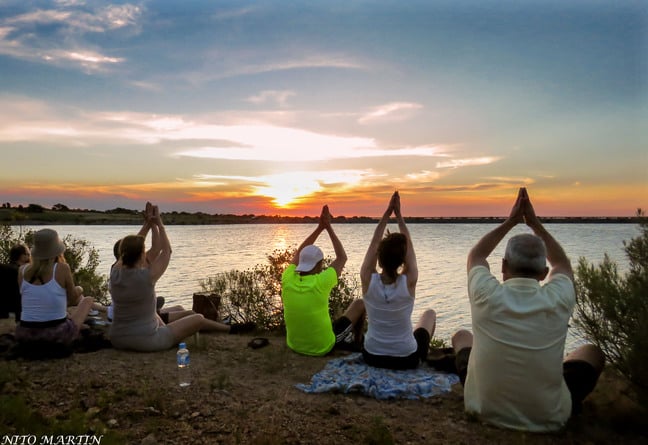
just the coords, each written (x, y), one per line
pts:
(150, 440)
(93, 411)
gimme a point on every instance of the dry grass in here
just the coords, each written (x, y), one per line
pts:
(245, 396)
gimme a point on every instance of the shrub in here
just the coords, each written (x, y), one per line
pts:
(82, 257)
(255, 294)
(612, 310)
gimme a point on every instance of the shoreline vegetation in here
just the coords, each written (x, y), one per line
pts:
(60, 214)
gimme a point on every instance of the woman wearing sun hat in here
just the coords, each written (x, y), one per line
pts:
(47, 289)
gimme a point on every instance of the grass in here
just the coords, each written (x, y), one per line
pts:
(379, 433)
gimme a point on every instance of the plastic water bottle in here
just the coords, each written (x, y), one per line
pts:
(184, 373)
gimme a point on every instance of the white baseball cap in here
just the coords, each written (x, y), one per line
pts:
(309, 257)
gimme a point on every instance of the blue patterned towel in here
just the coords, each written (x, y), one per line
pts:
(352, 374)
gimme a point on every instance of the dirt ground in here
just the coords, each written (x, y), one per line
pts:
(245, 396)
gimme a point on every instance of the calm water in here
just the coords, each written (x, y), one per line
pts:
(441, 249)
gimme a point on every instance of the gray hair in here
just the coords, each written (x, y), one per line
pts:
(526, 254)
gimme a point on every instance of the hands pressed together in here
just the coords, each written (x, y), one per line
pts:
(522, 211)
(325, 218)
(151, 213)
(394, 206)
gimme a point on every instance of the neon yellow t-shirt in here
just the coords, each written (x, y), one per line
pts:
(305, 298)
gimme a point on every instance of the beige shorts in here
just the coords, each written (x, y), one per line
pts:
(161, 340)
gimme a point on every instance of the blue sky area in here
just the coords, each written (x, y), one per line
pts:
(278, 107)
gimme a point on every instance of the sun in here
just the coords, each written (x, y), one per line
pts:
(287, 188)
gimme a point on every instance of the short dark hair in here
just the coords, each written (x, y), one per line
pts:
(17, 251)
(391, 252)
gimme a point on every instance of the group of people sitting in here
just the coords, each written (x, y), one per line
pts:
(511, 365)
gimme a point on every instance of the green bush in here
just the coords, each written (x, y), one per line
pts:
(612, 310)
(82, 257)
(255, 294)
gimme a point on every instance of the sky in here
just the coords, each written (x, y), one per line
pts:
(278, 107)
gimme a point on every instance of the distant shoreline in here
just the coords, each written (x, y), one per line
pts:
(34, 216)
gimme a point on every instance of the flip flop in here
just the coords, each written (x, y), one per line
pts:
(258, 342)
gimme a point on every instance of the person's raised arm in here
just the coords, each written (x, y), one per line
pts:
(410, 267)
(340, 254)
(310, 239)
(161, 262)
(478, 255)
(156, 246)
(555, 254)
(371, 257)
(146, 226)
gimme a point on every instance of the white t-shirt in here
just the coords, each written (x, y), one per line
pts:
(389, 318)
(515, 377)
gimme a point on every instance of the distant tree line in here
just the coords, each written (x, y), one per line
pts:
(38, 214)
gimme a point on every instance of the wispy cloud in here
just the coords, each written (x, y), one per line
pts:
(35, 121)
(456, 163)
(394, 111)
(512, 179)
(233, 13)
(272, 96)
(77, 21)
(57, 36)
(247, 65)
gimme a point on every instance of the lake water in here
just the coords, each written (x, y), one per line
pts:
(441, 249)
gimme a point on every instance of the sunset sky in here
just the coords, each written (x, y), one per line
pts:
(277, 107)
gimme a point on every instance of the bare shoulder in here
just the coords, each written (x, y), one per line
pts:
(62, 269)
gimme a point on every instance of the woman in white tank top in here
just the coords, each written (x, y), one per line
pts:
(388, 296)
(47, 290)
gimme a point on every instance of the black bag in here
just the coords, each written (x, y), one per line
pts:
(207, 304)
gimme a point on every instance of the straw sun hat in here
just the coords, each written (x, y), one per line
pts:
(47, 244)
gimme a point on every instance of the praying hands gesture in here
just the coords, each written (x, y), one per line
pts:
(523, 212)
(325, 218)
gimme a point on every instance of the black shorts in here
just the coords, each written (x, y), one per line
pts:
(461, 363)
(581, 378)
(411, 361)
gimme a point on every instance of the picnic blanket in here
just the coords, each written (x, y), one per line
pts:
(352, 374)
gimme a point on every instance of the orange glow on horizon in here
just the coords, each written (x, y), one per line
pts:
(368, 201)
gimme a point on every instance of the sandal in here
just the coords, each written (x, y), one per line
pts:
(259, 342)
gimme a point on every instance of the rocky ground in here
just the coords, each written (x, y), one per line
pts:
(245, 396)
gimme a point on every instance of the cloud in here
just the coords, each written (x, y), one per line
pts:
(248, 65)
(423, 176)
(57, 36)
(29, 120)
(233, 13)
(512, 179)
(394, 111)
(275, 96)
(78, 21)
(456, 163)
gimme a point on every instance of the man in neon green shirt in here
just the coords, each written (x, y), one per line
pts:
(305, 290)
